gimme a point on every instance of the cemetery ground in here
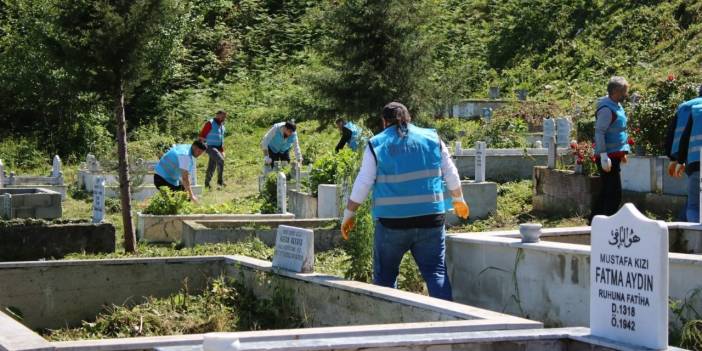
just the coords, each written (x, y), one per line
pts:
(182, 313)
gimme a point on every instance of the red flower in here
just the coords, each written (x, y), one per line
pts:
(573, 145)
(630, 141)
(671, 77)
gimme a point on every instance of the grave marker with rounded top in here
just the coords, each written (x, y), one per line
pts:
(480, 151)
(549, 131)
(282, 193)
(56, 166)
(99, 200)
(629, 279)
(563, 128)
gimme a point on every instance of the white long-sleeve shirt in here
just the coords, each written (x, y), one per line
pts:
(366, 175)
(271, 133)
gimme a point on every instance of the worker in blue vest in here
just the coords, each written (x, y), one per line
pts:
(611, 146)
(212, 134)
(175, 167)
(677, 146)
(350, 134)
(406, 167)
(278, 141)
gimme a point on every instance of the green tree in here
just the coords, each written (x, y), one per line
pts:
(376, 51)
(114, 46)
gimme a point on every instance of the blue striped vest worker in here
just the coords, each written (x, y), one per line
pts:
(355, 134)
(408, 180)
(683, 115)
(167, 166)
(695, 143)
(216, 135)
(616, 137)
(279, 144)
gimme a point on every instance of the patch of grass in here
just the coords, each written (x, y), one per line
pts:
(224, 306)
(514, 206)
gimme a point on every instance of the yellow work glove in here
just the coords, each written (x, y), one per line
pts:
(679, 170)
(347, 223)
(671, 168)
(460, 208)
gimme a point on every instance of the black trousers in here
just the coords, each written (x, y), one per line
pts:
(279, 156)
(159, 182)
(610, 198)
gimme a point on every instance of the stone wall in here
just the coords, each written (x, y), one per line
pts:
(302, 205)
(169, 228)
(563, 193)
(326, 234)
(503, 164)
(32, 242)
(30, 203)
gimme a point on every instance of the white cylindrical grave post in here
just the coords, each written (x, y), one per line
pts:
(480, 149)
(2, 174)
(282, 193)
(99, 200)
(458, 149)
(56, 166)
(552, 153)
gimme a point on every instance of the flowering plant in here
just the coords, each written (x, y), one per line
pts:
(585, 161)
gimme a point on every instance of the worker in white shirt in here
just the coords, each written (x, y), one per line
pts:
(278, 141)
(406, 166)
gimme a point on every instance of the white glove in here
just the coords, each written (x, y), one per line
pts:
(605, 162)
(267, 160)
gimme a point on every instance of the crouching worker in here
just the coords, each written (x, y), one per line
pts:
(406, 167)
(175, 167)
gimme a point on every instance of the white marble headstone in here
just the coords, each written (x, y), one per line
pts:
(629, 279)
(563, 128)
(282, 193)
(56, 166)
(92, 162)
(552, 153)
(2, 174)
(328, 201)
(99, 200)
(480, 161)
(549, 131)
(458, 149)
(294, 249)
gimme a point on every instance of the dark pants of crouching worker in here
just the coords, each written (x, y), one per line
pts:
(279, 156)
(216, 161)
(428, 247)
(160, 182)
(610, 198)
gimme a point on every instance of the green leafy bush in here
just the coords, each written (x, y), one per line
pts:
(168, 202)
(332, 168)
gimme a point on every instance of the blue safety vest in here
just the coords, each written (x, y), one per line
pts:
(355, 134)
(167, 166)
(216, 135)
(616, 137)
(682, 116)
(695, 143)
(408, 179)
(279, 144)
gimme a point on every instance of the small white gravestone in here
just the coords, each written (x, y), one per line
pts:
(282, 188)
(549, 131)
(99, 200)
(328, 201)
(56, 166)
(563, 128)
(2, 174)
(552, 153)
(480, 161)
(458, 149)
(294, 249)
(629, 279)
(538, 144)
(93, 164)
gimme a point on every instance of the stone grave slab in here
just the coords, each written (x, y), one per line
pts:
(294, 249)
(629, 279)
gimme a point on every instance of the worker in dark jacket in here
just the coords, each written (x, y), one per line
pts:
(350, 134)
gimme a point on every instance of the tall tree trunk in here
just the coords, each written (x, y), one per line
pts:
(123, 170)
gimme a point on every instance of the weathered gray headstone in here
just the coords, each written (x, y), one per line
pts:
(298, 178)
(486, 112)
(480, 161)
(563, 128)
(294, 249)
(494, 92)
(458, 149)
(549, 131)
(629, 279)
(56, 166)
(522, 94)
(99, 200)
(6, 206)
(552, 153)
(2, 174)
(282, 188)
(92, 163)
